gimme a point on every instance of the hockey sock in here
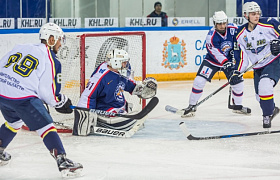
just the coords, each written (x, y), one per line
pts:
(237, 93)
(197, 90)
(7, 134)
(267, 105)
(53, 141)
(266, 96)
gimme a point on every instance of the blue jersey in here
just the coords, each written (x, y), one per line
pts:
(254, 45)
(104, 91)
(219, 46)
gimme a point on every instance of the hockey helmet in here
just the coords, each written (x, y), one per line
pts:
(51, 29)
(251, 7)
(116, 57)
(219, 17)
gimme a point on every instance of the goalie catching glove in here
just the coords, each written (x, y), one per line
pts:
(63, 106)
(147, 89)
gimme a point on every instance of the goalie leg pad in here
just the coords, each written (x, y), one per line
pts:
(83, 122)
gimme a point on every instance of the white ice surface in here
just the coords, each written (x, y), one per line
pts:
(161, 151)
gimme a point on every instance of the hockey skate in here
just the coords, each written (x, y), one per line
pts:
(4, 158)
(189, 111)
(67, 167)
(267, 119)
(239, 109)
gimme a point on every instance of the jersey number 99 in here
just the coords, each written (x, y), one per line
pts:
(26, 65)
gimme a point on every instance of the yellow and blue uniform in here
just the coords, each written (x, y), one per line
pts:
(251, 46)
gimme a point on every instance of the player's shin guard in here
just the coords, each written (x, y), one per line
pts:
(237, 97)
(52, 141)
(267, 105)
(7, 134)
(197, 89)
(266, 96)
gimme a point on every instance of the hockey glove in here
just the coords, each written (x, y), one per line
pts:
(147, 89)
(63, 105)
(235, 78)
(228, 67)
(275, 47)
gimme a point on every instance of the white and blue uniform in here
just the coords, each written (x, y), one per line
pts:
(29, 75)
(104, 91)
(219, 51)
(30, 70)
(219, 46)
(253, 46)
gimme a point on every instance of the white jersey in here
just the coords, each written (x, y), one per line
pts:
(30, 70)
(254, 45)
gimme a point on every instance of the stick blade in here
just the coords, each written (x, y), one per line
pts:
(184, 129)
(174, 110)
(147, 109)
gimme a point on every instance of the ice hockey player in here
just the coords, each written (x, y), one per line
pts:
(30, 76)
(253, 42)
(105, 91)
(219, 57)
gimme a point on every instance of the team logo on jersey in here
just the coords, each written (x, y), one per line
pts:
(245, 38)
(119, 92)
(174, 53)
(206, 71)
(226, 46)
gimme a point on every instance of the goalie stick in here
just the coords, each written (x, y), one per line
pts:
(147, 109)
(183, 112)
(189, 136)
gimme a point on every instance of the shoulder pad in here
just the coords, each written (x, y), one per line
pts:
(211, 31)
(241, 27)
(232, 25)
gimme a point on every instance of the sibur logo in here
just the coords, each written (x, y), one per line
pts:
(174, 53)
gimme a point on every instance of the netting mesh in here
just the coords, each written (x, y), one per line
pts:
(96, 49)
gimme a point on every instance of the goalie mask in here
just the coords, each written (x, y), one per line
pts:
(220, 17)
(51, 29)
(118, 59)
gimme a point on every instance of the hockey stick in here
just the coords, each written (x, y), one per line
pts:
(191, 137)
(229, 99)
(183, 112)
(147, 109)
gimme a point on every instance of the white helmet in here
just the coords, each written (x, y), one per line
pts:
(251, 7)
(49, 29)
(115, 58)
(220, 17)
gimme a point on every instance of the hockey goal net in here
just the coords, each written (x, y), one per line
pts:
(82, 53)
